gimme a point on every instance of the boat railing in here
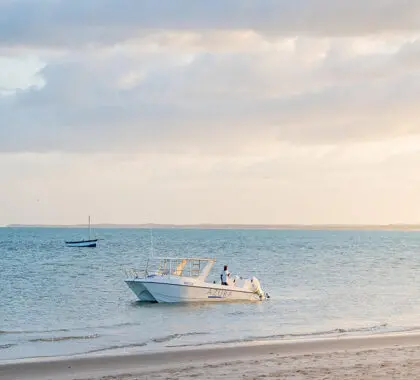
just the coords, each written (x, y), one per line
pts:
(146, 271)
(135, 273)
(170, 267)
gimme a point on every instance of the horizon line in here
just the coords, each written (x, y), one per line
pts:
(280, 226)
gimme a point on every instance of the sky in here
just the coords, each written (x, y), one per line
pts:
(222, 111)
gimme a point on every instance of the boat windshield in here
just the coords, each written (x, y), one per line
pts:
(183, 267)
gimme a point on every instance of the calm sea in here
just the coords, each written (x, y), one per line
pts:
(65, 301)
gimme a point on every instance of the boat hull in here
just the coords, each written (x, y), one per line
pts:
(164, 292)
(140, 291)
(82, 243)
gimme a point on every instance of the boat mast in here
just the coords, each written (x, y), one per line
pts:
(151, 242)
(89, 226)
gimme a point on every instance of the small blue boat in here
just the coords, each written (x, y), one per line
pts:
(82, 243)
(90, 243)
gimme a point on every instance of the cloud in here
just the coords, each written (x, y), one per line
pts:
(188, 105)
(86, 22)
(146, 96)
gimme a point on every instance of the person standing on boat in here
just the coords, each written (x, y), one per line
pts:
(225, 275)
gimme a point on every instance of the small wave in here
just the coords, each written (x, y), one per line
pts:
(12, 332)
(176, 336)
(340, 331)
(243, 340)
(117, 347)
(31, 331)
(236, 313)
(63, 338)
(5, 346)
(286, 336)
(123, 324)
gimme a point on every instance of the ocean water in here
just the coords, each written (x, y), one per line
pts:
(58, 301)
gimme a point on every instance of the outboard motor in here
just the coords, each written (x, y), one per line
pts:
(256, 287)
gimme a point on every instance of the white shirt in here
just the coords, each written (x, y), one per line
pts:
(225, 276)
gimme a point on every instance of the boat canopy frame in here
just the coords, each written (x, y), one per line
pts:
(194, 267)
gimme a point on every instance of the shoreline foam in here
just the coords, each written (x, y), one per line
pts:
(236, 360)
(171, 341)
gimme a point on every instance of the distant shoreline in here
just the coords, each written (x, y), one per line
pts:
(357, 227)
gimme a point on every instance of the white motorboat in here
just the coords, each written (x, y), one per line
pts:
(184, 280)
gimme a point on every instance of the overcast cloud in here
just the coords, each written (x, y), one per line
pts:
(217, 92)
(78, 22)
(147, 95)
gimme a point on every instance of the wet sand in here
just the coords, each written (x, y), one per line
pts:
(395, 356)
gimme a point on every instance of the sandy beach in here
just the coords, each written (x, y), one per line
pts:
(376, 357)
